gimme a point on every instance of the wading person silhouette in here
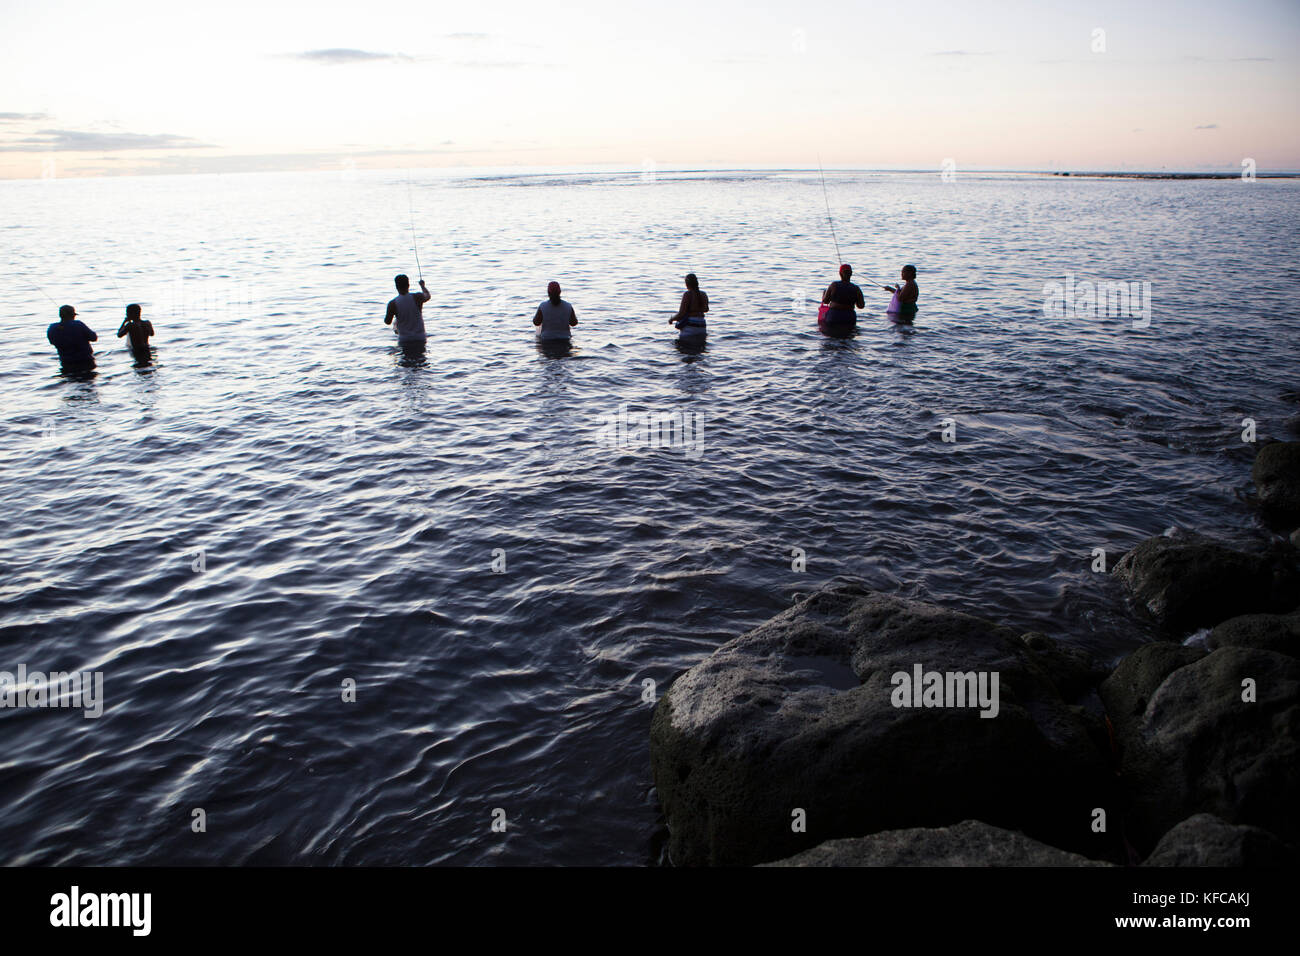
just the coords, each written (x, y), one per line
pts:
(72, 338)
(138, 330)
(554, 317)
(690, 314)
(843, 297)
(406, 312)
(904, 302)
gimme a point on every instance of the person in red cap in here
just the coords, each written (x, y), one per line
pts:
(554, 317)
(843, 297)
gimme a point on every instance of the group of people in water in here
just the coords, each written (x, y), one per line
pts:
(554, 318)
(72, 337)
(842, 297)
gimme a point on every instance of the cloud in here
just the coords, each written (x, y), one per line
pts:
(20, 117)
(467, 35)
(341, 55)
(76, 141)
(960, 53)
(1209, 126)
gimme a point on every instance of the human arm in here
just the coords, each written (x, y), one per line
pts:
(537, 317)
(681, 309)
(573, 316)
(90, 333)
(424, 291)
(391, 313)
(122, 330)
(826, 296)
(859, 301)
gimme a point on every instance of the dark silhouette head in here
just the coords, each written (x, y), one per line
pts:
(692, 282)
(909, 272)
(553, 291)
(133, 311)
(846, 271)
(403, 284)
(67, 313)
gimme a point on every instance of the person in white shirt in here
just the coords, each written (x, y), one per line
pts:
(554, 317)
(405, 313)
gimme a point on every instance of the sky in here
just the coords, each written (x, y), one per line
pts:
(160, 86)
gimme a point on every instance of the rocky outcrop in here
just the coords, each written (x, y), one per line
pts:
(1269, 632)
(1188, 581)
(1135, 681)
(969, 843)
(1214, 733)
(1205, 840)
(789, 735)
(1277, 482)
(1073, 670)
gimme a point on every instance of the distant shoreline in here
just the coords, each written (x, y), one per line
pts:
(1176, 175)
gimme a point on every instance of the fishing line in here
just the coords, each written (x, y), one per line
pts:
(414, 245)
(831, 222)
(37, 287)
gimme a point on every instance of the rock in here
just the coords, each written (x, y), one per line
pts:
(1269, 632)
(1205, 840)
(1188, 581)
(1197, 747)
(969, 843)
(798, 715)
(1130, 688)
(1072, 669)
(1277, 482)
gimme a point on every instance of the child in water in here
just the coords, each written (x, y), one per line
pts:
(905, 295)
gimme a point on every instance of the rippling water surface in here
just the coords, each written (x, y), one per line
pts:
(349, 500)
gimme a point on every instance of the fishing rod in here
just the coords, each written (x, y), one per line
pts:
(830, 221)
(36, 286)
(414, 245)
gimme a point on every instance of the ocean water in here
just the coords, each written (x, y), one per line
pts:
(282, 501)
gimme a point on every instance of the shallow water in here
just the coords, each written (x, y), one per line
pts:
(349, 500)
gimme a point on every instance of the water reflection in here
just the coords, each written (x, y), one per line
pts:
(411, 355)
(555, 348)
(81, 376)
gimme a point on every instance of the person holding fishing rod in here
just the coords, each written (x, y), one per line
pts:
(842, 296)
(72, 338)
(406, 312)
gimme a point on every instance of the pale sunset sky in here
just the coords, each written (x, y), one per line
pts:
(148, 86)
